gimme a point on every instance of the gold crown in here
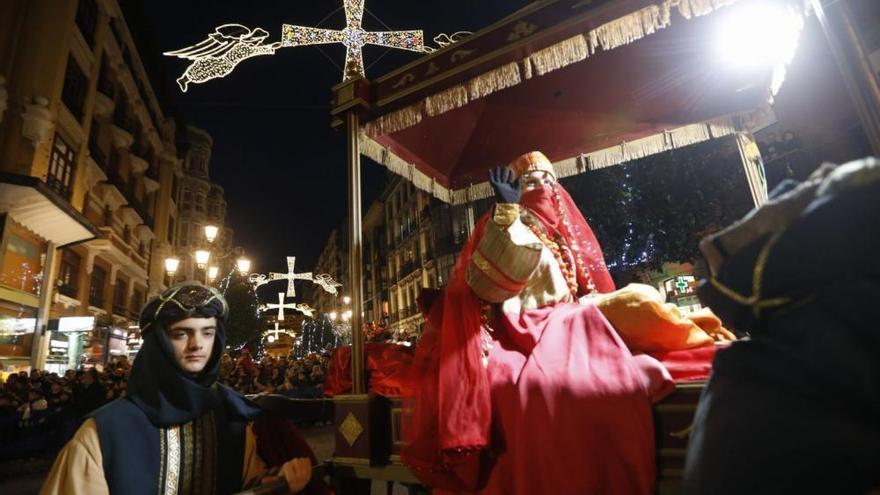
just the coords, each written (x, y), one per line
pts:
(532, 161)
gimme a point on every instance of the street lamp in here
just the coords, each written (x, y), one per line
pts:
(244, 265)
(213, 272)
(171, 266)
(346, 300)
(333, 315)
(211, 232)
(202, 258)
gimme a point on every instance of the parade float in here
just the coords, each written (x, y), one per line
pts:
(593, 84)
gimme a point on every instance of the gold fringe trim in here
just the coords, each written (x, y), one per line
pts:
(381, 155)
(503, 77)
(629, 28)
(396, 121)
(527, 68)
(696, 8)
(611, 35)
(560, 55)
(444, 101)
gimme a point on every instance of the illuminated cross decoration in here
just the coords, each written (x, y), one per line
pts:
(281, 306)
(353, 37)
(290, 276)
(273, 334)
(682, 285)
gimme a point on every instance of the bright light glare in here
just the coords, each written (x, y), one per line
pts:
(759, 35)
(271, 339)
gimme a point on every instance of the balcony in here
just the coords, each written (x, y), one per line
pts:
(122, 136)
(103, 104)
(96, 300)
(138, 164)
(67, 290)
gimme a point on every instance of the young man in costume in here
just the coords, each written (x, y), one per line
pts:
(177, 431)
(522, 385)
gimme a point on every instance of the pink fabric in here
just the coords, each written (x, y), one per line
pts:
(689, 364)
(546, 203)
(385, 367)
(563, 406)
(571, 407)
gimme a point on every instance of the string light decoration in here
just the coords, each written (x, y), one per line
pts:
(219, 54)
(325, 280)
(291, 276)
(281, 306)
(305, 309)
(354, 37)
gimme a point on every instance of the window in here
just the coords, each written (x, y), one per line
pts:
(119, 296)
(171, 226)
(137, 300)
(61, 164)
(186, 202)
(200, 202)
(175, 185)
(96, 287)
(87, 19)
(105, 82)
(68, 274)
(76, 85)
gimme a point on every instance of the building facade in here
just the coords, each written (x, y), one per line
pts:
(85, 141)
(410, 242)
(202, 203)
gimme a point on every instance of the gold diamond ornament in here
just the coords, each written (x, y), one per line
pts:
(351, 429)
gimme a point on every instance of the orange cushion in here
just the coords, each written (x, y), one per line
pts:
(647, 324)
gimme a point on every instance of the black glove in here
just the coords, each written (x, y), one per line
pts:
(505, 184)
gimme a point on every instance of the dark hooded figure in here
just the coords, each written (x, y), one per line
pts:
(177, 430)
(796, 407)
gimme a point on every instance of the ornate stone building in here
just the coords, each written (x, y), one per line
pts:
(89, 171)
(202, 203)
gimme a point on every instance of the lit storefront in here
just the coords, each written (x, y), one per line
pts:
(34, 223)
(81, 341)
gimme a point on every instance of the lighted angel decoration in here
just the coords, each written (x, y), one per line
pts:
(218, 55)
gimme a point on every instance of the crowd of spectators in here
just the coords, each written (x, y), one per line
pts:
(40, 410)
(293, 377)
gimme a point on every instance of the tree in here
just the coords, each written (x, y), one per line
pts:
(243, 324)
(656, 209)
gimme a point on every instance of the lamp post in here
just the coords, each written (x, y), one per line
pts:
(203, 257)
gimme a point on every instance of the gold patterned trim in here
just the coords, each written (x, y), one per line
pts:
(188, 444)
(172, 474)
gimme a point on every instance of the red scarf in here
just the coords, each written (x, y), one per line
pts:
(552, 206)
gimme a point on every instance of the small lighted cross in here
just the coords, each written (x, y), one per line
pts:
(290, 276)
(353, 37)
(281, 306)
(274, 333)
(681, 284)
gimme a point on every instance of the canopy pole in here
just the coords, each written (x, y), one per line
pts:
(355, 253)
(40, 344)
(855, 67)
(753, 165)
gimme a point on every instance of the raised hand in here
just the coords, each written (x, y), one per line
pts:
(505, 185)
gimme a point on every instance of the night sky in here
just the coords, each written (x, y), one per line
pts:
(282, 166)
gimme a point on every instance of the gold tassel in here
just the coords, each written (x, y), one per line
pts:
(395, 121)
(527, 68)
(560, 55)
(494, 80)
(444, 101)
(629, 28)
